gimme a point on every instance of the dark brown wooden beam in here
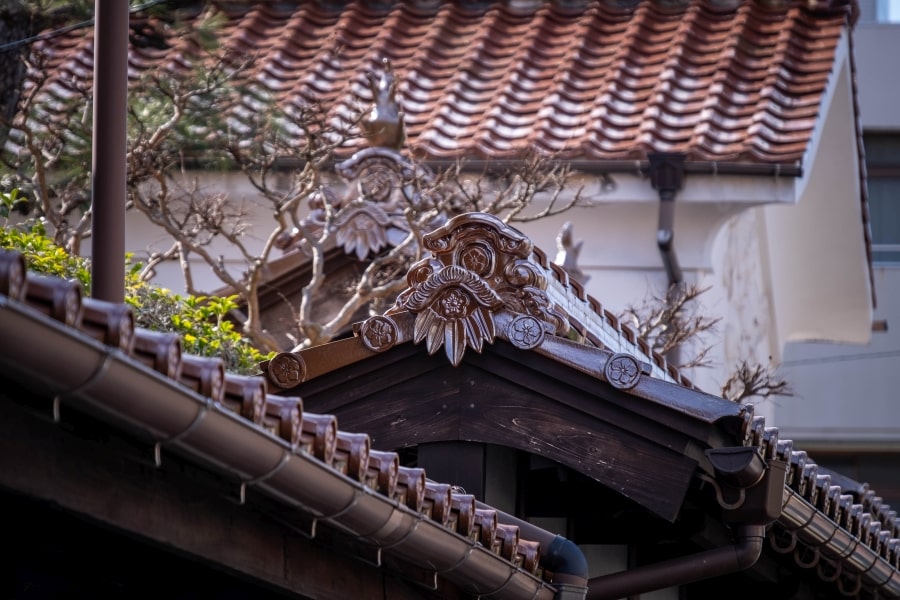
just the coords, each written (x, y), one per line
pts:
(85, 469)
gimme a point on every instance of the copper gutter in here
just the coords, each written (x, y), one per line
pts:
(85, 373)
(560, 555)
(836, 543)
(742, 471)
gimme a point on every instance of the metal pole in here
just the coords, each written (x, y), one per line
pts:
(109, 136)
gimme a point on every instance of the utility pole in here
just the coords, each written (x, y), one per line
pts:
(109, 146)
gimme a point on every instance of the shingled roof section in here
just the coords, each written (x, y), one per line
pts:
(720, 81)
(138, 381)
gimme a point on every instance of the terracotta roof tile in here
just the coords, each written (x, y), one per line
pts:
(737, 81)
(203, 383)
(824, 517)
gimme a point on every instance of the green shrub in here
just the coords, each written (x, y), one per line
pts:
(201, 321)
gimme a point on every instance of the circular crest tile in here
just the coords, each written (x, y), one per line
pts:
(286, 370)
(379, 333)
(525, 332)
(622, 371)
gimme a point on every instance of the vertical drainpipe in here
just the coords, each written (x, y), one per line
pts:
(108, 150)
(667, 177)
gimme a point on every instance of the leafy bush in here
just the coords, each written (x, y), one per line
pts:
(201, 321)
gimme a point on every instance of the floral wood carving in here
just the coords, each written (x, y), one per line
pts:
(480, 267)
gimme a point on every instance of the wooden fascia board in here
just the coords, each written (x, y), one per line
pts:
(522, 400)
(85, 468)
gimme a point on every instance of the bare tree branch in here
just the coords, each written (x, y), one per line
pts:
(754, 381)
(672, 320)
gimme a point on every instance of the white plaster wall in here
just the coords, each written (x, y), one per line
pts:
(877, 46)
(816, 248)
(143, 238)
(846, 396)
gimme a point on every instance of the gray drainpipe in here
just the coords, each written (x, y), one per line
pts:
(683, 570)
(667, 176)
(741, 472)
(561, 556)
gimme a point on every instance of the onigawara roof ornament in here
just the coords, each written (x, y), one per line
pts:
(369, 212)
(383, 125)
(479, 284)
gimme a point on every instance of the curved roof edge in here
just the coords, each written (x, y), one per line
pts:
(138, 381)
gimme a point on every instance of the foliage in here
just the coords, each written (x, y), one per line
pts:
(202, 322)
(41, 254)
(210, 113)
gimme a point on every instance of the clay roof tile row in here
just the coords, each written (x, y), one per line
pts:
(581, 80)
(310, 434)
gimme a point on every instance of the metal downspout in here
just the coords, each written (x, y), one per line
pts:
(108, 177)
(667, 177)
(683, 570)
(559, 555)
(759, 487)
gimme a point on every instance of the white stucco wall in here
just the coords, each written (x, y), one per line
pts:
(846, 394)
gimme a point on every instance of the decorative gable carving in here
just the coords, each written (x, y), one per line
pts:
(478, 285)
(381, 183)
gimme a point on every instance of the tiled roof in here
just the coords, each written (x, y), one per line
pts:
(484, 282)
(829, 523)
(723, 81)
(841, 528)
(140, 378)
(558, 304)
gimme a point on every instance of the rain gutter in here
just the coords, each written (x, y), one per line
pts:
(742, 473)
(828, 539)
(683, 570)
(640, 168)
(85, 373)
(561, 556)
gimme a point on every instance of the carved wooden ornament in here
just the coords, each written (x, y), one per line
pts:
(480, 270)
(381, 184)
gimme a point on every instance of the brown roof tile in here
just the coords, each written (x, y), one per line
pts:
(847, 523)
(827, 518)
(202, 383)
(735, 82)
